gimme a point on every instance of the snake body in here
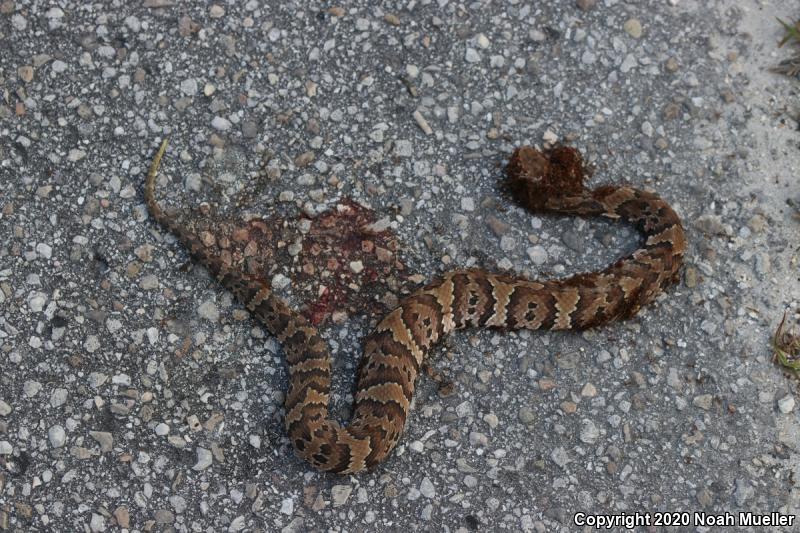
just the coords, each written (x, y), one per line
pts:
(550, 182)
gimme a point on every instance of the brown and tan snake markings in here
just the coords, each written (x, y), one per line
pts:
(549, 182)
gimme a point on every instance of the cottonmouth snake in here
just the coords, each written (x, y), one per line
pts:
(550, 182)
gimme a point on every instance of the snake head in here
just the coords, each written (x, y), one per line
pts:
(534, 176)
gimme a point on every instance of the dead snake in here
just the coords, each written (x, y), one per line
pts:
(550, 182)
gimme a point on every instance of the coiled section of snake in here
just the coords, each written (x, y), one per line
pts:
(550, 182)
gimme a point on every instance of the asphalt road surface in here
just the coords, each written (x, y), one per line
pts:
(136, 394)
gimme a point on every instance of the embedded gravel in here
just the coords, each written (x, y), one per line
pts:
(135, 394)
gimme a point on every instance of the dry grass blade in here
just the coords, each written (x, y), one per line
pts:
(792, 32)
(789, 67)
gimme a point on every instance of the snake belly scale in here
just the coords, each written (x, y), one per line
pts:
(549, 182)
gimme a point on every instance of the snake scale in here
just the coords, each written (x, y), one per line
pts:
(549, 182)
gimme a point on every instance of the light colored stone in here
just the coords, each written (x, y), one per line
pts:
(178, 503)
(97, 379)
(36, 301)
(589, 432)
(149, 282)
(25, 73)
(426, 488)
(703, 401)
(121, 379)
(340, 494)
(472, 56)
(204, 459)
(478, 439)
(91, 344)
(58, 397)
(507, 243)
(189, 86)
(633, 28)
(57, 436)
(76, 154)
(44, 250)
(31, 388)
(403, 148)
(104, 439)
(464, 409)
(560, 457)
(786, 404)
(221, 124)
(526, 415)
(97, 523)
(238, 524)
(280, 282)
(537, 254)
(628, 63)
(164, 516)
(209, 311)
(122, 515)
(113, 325)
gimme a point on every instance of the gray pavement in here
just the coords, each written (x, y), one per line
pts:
(136, 394)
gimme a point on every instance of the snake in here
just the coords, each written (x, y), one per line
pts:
(549, 181)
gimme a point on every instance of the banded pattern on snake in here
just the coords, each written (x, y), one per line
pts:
(549, 182)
